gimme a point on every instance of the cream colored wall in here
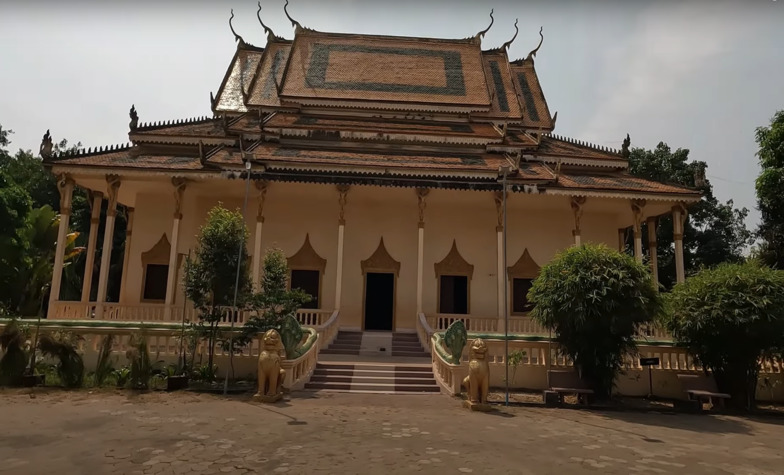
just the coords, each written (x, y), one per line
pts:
(541, 224)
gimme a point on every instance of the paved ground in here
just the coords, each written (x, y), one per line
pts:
(98, 433)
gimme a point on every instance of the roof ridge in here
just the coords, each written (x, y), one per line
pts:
(169, 123)
(582, 143)
(84, 152)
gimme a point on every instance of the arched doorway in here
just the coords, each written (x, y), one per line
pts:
(380, 273)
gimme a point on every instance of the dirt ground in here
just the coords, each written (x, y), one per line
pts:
(111, 431)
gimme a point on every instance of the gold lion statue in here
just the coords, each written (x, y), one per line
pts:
(477, 383)
(271, 375)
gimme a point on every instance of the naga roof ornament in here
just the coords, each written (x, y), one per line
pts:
(270, 34)
(237, 37)
(294, 22)
(481, 34)
(533, 52)
(509, 43)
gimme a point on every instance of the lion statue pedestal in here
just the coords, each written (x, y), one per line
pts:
(477, 383)
(271, 375)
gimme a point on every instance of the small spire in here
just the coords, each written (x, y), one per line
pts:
(481, 34)
(293, 21)
(46, 145)
(134, 118)
(267, 30)
(533, 52)
(625, 146)
(555, 118)
(509, 43)
(236, 36)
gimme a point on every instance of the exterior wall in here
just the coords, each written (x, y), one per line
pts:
(542, 225)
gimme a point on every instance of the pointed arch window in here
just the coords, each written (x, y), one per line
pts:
(454, 274)
(306, 272)
(155, 264)
(521, 276)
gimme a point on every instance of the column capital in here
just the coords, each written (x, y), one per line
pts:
(65, 186)
(342, 199)
(179, 185)
(498, 198)
(637, 207)
(421, 194)
(113, 186)
(261, 187)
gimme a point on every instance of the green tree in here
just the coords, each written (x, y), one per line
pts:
(210, 276)
(275, 301)
(728, 318)
(595, 299)
(770, 199)
(714, 232)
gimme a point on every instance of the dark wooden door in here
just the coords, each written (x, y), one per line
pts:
(379, 301)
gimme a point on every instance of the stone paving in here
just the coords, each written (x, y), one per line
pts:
(122, 432)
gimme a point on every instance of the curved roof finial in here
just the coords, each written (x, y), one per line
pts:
(286, 11)
(267, 29)
(236, 36)
(532, 54)
(481, 34)
(508, 43)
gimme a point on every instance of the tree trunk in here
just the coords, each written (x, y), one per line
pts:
(740, 382)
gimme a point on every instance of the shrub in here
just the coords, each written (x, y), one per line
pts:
(13, 339)
(595, 299)
(63, 347)
(103, 367)
(728, 318)
(140, 366)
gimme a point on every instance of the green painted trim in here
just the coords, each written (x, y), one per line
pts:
(542, 338)
(438, 345)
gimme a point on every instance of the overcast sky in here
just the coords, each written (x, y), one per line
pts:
(700, 75)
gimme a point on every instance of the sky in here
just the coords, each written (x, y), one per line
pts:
(700, 75)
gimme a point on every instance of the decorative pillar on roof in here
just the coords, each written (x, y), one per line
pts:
(637, 206)
(127, 253)
(261, 187)
(171, 280)
(652, 250)
(113, 186)
(342, 197)
(577, 208)
(678, 222)
(94, 199)
(65, 186)
(421, 205)
(498, 196)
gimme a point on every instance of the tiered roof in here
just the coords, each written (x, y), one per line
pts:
(348, 108)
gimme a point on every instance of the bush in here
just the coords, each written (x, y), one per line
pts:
(140, 366)
(63, 347)
(13, 339)
(103, 367)
(728, 318)
(595, 299)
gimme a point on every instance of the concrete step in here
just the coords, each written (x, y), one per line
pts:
(380, 388)
(424, 368)
(417, 354)
(329, 351)
(371, 374)
(371, 380)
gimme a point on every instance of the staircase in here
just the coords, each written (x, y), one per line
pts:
(385, 378)
(345, 343)
(407, 344)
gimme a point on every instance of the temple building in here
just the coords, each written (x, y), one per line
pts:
(377, 165)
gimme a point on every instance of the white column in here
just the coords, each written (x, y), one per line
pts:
(261, 186)
(127, 253)
(171, 281)
(421, 205)
(92, 241)
(342, 197)
(113, 182)
(65, 186)
(339, 267)
(637, 206)
(678, 218)
(652, 250)
(500, 264)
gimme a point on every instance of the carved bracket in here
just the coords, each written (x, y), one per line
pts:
(65, 186)
(261, 187)
(422, 204)
(113, 186)
(637, 207)
(498, 197)
(577, 203)
(342, 197)
(179, 188)
(679, 212)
